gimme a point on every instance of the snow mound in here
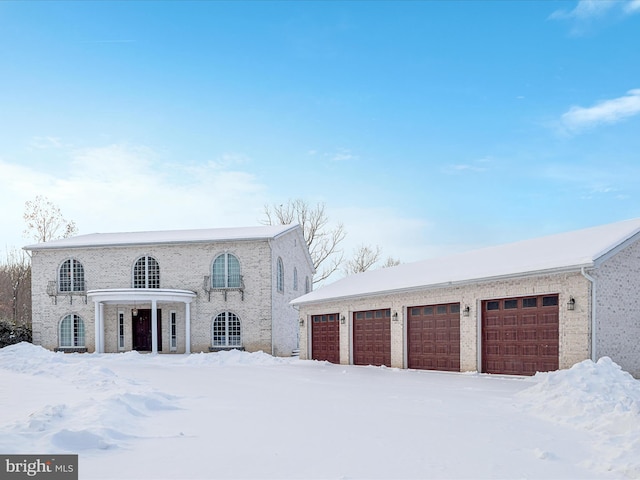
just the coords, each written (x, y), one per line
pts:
(108, 411)
(105, 423)
(236, 357)
(595, 396)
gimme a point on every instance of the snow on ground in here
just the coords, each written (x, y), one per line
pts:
(250, 415)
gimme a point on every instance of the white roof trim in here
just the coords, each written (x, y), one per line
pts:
(563, 252)
(140, 295)
(123, 239)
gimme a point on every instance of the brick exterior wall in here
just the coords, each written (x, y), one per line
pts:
(182, 266)
(574, 325)
(618, 308)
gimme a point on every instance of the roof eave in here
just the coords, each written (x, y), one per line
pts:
(44, 246)
(433, 286)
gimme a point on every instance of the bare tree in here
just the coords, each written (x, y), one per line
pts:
(15, 287)
(363, 259)
(322, 240)
(391, 262)
(45, 221)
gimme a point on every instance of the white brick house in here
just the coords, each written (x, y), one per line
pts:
(535, 305)
(172, 291)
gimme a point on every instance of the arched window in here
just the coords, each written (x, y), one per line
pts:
(295, 278)
(226, 272)
(307, 285)
(280, 275)
(226, 330)
(146, 273)
(72, 331)
(71, 276)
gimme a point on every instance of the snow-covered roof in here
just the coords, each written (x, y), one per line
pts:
(262, 232)
(564, 251)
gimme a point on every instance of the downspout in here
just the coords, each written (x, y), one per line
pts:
(272, 295)
(593, 313)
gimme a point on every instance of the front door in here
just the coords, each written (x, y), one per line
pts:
(141, 335)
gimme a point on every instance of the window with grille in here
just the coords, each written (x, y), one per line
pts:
(226, 272)
(71, 276)
(72, 331)
(173, 341)
(226, 330)
(146, 273)
(120, 330)
(280, 275)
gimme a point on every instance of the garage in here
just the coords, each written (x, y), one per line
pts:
(372, 337)
(433, 337)
(520, 335)
(325, 338)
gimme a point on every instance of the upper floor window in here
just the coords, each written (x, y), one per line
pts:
(226, 272)
(295, 278)
(307, 285)
(72, 331)
(71, 276)
(146, 273)
(280, 275)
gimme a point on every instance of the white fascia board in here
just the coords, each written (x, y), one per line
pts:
(130, 295)
(602, 257)
(418, 288)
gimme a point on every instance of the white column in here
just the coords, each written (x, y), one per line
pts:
(187, 327)
(154, 326)
(96, 311)
(101, 327)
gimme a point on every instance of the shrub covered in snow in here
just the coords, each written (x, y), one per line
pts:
(10, 333)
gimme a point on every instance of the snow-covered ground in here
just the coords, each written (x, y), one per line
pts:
(249, 415)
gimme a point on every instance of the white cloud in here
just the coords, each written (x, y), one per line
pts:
(398, 234)
(587, 12)
(577, 119)
(475, 166)
(342, 155)
(632, 7)
(128, 188)
(586, 9)
(45, 143)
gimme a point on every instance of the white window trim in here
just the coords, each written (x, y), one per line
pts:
(146, 256)
(73, 317)
(226, 314)
(173, 327)
(72, 279)
(226, 256)
(280, 275)
(121, 331)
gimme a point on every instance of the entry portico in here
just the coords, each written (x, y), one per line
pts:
(139, 296)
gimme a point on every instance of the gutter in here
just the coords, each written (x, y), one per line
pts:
(433, 286)
(593, 313)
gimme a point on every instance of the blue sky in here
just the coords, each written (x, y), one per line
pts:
(426, 127)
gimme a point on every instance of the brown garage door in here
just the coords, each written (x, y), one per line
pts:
(520, 335)
(434, 337)
(372, 337)
(325, 338)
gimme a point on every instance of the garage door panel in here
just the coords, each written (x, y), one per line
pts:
(373, 347)
(434, 337)
(325, 338)
(520, 336)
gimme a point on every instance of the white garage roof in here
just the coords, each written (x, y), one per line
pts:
(565, 251)
(262, 232)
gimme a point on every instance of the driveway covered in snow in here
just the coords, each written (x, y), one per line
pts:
(249, 415)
